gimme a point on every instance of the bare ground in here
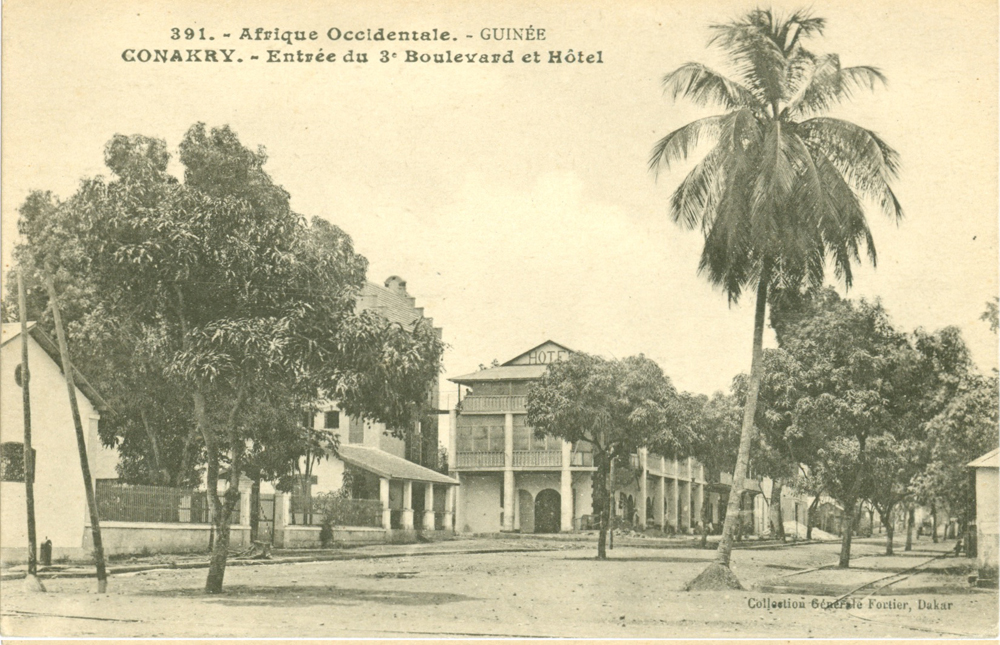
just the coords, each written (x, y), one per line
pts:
(530, 587)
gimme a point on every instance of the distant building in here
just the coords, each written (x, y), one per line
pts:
(512, 480)
(398, 472)
(987, 473)
(61, 513)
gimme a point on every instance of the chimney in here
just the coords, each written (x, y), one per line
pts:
(396, 285)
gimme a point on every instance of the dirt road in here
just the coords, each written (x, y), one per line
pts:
(561, 591)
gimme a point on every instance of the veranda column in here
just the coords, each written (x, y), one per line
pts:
(449, 507)
(643, 488)
(508, 472)
(659, 495)
(676, 493)
(383, 495)
(456, 502)
(429, 506)
(692, 518)
(566, 489)
(452, 440)
(406, 520)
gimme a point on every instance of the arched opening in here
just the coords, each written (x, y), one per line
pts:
(548, 506)
(526, 509)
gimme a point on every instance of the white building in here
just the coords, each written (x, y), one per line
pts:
(61, 513)
(987, 470)
(514, 481)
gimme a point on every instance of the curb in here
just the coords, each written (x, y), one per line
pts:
(175, 566)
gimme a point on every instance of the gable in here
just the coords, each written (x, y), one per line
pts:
(547, 352)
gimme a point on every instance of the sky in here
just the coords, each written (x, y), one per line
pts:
(515, 199)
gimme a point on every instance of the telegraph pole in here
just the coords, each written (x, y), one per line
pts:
(31, 581)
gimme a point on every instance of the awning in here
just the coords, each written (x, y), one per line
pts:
(384, 464)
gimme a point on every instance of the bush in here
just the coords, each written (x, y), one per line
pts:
(339, 509)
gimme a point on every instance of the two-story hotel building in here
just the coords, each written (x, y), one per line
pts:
(512, 480)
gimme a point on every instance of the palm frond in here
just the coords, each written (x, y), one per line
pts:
(679, 143)
(831, 85)
(705, 86)
(866, 162)
(694, 199)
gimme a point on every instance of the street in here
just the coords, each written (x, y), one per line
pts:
(528, 587)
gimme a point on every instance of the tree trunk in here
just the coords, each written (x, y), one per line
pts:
(776, 517)
(162, 477)
(889, 530)
(81, 442)
(255, 508)
(845, 540)
(706, 516)
(600, 493)
(909, 530)
(29, 457)
(934, 523)
(220, 549)
(810, 513)
(181, 478)
(724, 552)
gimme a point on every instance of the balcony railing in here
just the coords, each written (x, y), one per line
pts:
(543, 458)
(493, 404)
(479, 459)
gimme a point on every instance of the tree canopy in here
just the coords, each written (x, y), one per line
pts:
(239, 307)
(617, 406)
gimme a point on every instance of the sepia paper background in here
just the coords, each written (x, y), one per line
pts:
(515, 198)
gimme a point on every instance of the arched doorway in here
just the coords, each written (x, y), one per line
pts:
(548, 507)
(526, 511)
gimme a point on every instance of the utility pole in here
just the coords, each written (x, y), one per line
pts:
(81, 444)
(31, 581)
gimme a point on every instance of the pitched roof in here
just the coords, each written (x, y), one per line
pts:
(386, 465)
(11, 331)
(503, 373)
(526, 366)
(989, 460)
(524, 357)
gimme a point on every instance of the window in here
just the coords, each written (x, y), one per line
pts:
(331, 420)
(12, 461)
(356, 432)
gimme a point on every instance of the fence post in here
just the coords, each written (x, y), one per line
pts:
(280, 519)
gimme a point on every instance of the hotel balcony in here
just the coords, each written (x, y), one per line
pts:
(521, 459)
(494, 404)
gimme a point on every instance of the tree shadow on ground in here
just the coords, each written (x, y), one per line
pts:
(645, 558)
(298, 595)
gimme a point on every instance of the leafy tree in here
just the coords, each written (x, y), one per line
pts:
(992, 313)
(847, 360)
(780, 190)
(617, 406)
(246, 307)
(714, 426)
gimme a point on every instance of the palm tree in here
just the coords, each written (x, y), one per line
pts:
(779, 189)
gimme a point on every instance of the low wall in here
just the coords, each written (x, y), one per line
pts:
(160, 537)
(304, 537)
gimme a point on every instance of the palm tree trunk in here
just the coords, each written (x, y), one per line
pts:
(718, 575)
(29, 455)
(746, 433)
(81, 442)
